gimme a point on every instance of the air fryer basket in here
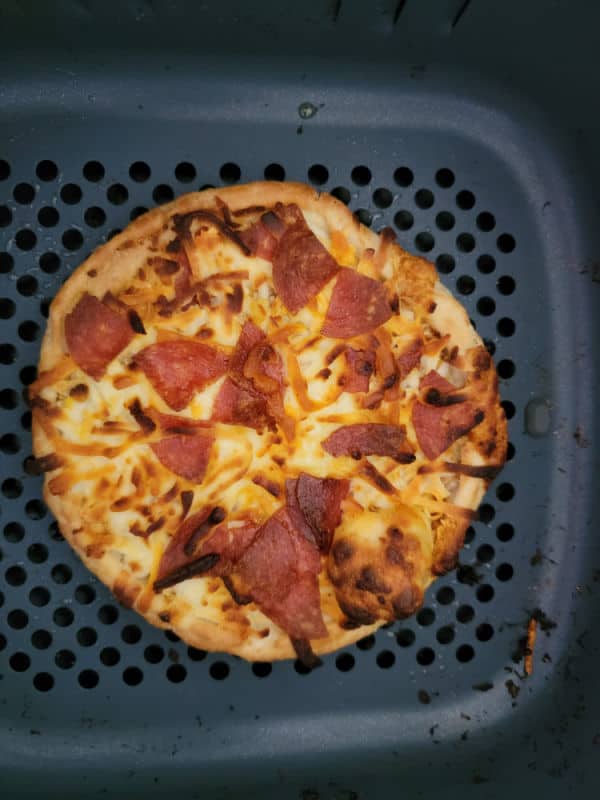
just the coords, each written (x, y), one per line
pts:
(434, 118)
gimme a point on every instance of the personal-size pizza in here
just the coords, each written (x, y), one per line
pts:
(261, 424)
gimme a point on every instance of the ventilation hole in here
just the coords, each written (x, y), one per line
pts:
(385, 659)
(117, 194)
(6, 262)
(219, 670)
(506, 326)
(363, 216)
(505, 243)
(131, 634)
(17, 619)
(465, 614)
(318, 174)
(162, 194)
(230, 172)
(506, 368)
(84, 594)
(366, 643)
(7, 308)
(262, 669)
(485, 593)
(25, 239)
(506, 284)
(464, 653)
(509, 408)
(19, 662)
(15, 576)
(404, 220)
(445, 635)
(133, 676)
(274, 172)
(465, 284)
(426, 616)
(37, 553)
(206, 186)
(445, 595)
(383, 198)
(465, 200)
(4, 170)
(61, 573)
(484, 632)
(28, 374)
(14, 532)
(46, 170)
(39, 596)
(424, 198)
(403, 176)
(444, 178)
(301, 667)
(176, 673)
(185, 172)
(139, 171)
(489, 346)
(485, 553)
(510, 451)
(361, 175)
(29, 330)
(487, 513)
(49, 262)
(10, 443)
(171, 636)
(48, 217)
(43, 681)
(87, 637)
(72, 239)
(45, 307)
(88, 679)
(405, 637)
(55, 532)
(26, 420)
(424, 242)
(465, 242)
(505, 532)
(469, 534)
(153, 654)
(93, 171)
(486, 221)
(94, 216)
(110, 656)
(8, 353)
(504, 572)
(70, 194)
(342, 194)
(12, 488)
(8, 399)
(344, 662)
(24, 193)
(486, 264)
(486, 306)
(63, 617)
(41, 639)
(196, 655)
(425, 656)
(5, 216)
(445, 221)
(65, 659)
(445, 263)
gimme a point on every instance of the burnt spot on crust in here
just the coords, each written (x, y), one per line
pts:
(142, 419)
(374, 476)
(182, 225)
(174, 246)
(164, 616)
(235, 299)
(356, 614)
(406, 601)
(240, 598)
(79, 392)
(369, 581)
(137, 326)
(47, 463)
(305, 653)
(324, 373)
(482, 360)
(395, 304)
(187, 498)
(341, 551)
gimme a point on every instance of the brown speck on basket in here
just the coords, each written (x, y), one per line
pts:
(531, 636)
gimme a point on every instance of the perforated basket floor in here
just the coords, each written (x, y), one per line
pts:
(94, 700)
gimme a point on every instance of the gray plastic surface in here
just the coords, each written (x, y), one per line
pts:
(223, 85)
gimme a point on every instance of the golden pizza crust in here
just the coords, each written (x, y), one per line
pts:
(244, 630)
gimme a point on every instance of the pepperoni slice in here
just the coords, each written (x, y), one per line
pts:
(410, 358)
(314, 504)
(238, 403)
(358, 305)
(361, 365)
(279, 570)
(95, 334)
(444, 417)
(185, 455)
(301, 264)
(371, 438)
(177, 369)
(260, 240)
(250, 336)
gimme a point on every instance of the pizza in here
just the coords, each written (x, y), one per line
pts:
(261, 424)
